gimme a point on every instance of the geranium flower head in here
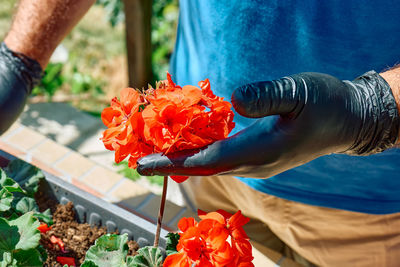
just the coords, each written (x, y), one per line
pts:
(165, 119)
(213, 241)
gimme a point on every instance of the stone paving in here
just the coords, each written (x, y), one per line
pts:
(65, 142)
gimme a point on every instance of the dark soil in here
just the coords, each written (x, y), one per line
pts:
(77, 237)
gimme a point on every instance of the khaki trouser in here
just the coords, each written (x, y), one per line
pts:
(323, 236)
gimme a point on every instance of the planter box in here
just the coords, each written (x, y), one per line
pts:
(96, 211)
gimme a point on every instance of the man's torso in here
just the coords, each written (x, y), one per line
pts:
(237, 42)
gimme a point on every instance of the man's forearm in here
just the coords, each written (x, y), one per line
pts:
(40, 25)
(392, 77)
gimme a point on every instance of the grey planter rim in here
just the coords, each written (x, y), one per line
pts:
(96, 211)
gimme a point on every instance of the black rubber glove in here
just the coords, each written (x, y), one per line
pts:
(18, 75)
(319, 115)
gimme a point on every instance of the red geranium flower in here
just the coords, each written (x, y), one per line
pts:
(217, 240)
(43, 228)
(166, 119)
(69, 261)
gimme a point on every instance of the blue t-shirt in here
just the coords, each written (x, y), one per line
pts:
(234, 42)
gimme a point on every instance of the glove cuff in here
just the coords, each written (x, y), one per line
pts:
(382, 121)
(28, 69)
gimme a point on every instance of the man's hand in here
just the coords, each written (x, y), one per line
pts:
(18, 75)
(317, 115)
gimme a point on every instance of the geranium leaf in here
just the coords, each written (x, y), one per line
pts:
(9, 184)
(12, 216)
(9, 237)
(27, 228)
(148, 257)
(6, 199)
(16, 169)
(7, 260)
(26, 204)
(25, 174)
(43, 253)
(172, 242)
(31, 184)
(108, 250)
(30, 257)
(130, 261)
(89, 263)
(45, 216)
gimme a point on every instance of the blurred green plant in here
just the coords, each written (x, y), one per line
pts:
(114, 9)
(51, 81)
(156, 180)
(56, 75)
(164, 22)
(133, 175)
(127, 172)
(81, 82)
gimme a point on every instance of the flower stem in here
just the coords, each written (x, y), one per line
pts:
(161, 211)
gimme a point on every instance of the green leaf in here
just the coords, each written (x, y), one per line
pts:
(5, 199)
(7, 260)
(12, 216)
(30, 257)
(130, 261)
(27, 175)
(108, 250)
(9, 236)
(44, 216)
(9, 184)
(31, 184)
(27, 204)
(148, 257)
(172, 242)
(43, 252)
(89, 263)
(7, 257)
(27, 228)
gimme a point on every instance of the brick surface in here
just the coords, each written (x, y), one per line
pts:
(46, 167)
(16, 152)
(25, 139)
(49, 151)
(127, 189)
(11, 130)
(101, 179)
(86, 188)
(74, 165)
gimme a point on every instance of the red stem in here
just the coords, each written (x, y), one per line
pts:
(161, 211)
